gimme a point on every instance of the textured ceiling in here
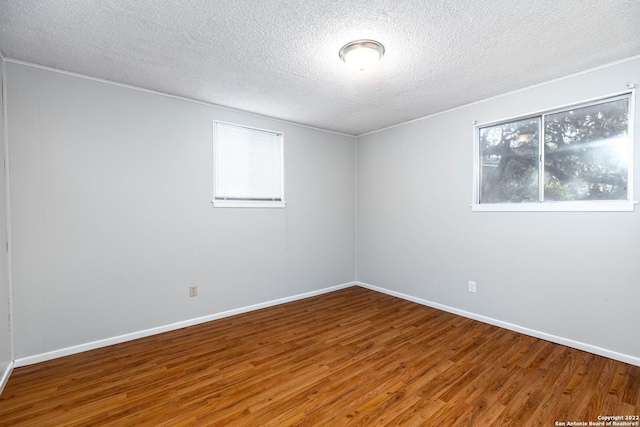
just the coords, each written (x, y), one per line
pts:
(280, 57)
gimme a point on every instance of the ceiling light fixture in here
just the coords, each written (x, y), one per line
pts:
(362, 55)
(526, 137)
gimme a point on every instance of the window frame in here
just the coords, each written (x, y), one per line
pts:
(246, 203)
(557, 206)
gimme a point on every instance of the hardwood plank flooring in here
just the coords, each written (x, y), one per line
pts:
(350, 357)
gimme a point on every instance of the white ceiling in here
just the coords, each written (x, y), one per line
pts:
(280, 58)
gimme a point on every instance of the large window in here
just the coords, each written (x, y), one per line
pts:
(575, 158)
(248, 167)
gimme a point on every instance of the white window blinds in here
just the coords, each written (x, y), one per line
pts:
(248, 166)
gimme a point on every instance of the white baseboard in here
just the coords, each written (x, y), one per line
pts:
(5, 376)
(30, 360)
(158, 330)
(517, 328)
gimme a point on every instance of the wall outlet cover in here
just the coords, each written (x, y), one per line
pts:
(472, 286)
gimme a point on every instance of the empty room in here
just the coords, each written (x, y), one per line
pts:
(320, 213)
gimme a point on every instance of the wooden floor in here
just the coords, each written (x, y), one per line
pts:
(351, 357)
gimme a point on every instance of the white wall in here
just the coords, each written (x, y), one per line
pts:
(112, 217)
(571, 275)
(112, 220)
(6, 356)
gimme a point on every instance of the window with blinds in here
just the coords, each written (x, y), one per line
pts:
(248, 167)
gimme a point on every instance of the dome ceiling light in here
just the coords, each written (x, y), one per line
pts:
(362, 55)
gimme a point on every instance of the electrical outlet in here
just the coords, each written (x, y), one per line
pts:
(193, 291)
(472, 286)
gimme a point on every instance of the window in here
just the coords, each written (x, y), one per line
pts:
(576, 158)
(248, 167)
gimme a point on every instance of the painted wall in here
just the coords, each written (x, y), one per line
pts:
(112, 215)
(6, 356)
(112, 219)
(572, 275)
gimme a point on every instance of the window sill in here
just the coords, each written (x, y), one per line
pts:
(609, 206)
(247, 204)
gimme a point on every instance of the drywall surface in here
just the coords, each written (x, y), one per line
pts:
(280, 58)
(574, 275)
(6, 356)
(113, 220)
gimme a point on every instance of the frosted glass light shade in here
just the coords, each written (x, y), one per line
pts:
(362, 55)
